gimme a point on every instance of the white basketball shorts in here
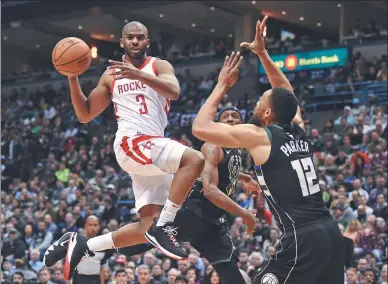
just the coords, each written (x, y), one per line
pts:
(151, 161)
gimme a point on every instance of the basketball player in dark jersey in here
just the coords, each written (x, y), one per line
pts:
(311, 249)
(201, 220)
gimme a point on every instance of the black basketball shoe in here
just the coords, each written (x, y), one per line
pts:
(76, 251)
(57, 250)
(164, 238)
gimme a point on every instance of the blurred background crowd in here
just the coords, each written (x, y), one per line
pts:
(55, 171)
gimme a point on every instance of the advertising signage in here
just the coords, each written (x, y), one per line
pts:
(308, 60)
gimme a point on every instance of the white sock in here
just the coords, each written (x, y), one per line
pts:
(168, 213)
(101, 242)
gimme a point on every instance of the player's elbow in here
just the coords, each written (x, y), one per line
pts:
(83, 119)
(174, 95)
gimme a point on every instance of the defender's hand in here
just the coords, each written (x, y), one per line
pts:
(250, 221)
(252, 186)
(127, 69)
(229, 72)
(258, 45)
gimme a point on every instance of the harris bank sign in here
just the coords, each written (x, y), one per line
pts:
(308, 60)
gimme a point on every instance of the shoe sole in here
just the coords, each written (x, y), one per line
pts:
(52, 248)
(70, 249)
(155, 243)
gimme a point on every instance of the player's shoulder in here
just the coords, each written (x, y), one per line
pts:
(106, 78)
(162, 65)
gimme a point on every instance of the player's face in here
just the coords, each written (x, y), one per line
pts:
(262, 113)
(135, 42)
(230, 117)
(92, 227)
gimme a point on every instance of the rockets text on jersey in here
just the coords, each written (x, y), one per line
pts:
(138, 108)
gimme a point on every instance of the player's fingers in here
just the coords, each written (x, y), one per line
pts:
(236, 59)
(238, 62)
(257, 29)
(231, 58)
(262, 25)
(122, 67)
(115, 62)
(226, 60)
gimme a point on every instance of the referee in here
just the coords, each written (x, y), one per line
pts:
(90, 270)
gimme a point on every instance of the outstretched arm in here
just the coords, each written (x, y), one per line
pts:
(213, 156)
(275, 76)
(204, 128)
(87, 108)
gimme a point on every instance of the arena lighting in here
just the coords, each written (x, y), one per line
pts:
(284, 12)
(212, 30)
(193, 25)
(339, 5)
(301, 18)
(319, 24)
(112, 36)
(253, 2)
(5, 37)
(37, 46)
(126, 21)
(212, 8)
(94, 52)
(80, 27)
(230, 35)
(161, 15)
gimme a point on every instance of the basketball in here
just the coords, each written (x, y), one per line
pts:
(71, 56)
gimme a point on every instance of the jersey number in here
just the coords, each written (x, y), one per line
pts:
(306, 173)
(141, 99)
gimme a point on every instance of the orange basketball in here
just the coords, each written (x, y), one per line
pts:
(71, 56)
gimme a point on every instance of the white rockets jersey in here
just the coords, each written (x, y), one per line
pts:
(138, 108)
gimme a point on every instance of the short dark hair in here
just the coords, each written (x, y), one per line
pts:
(19, 273)
(181, 278)
(284, 105)
(120, 270)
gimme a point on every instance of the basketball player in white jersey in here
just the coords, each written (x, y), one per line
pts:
(162, 170)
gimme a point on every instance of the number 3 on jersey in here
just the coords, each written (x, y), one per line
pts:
(141, 99)
(306, 174)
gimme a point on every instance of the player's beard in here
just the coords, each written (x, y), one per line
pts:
(137, 55)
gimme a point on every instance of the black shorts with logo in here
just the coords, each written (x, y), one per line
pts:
(310, 254)
(211, 240)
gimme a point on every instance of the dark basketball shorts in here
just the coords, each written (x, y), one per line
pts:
(310, 254)
(212, 241)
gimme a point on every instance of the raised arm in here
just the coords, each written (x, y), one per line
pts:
(165, 83)
(275, 76)
(246, 136)
(213, 156)
(87, 108)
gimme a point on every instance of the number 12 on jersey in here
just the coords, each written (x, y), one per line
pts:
(306, 174)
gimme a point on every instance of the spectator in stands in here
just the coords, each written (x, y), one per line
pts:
(35, 262)
(43, 238)
(14, 248)
(347, 114)
(377, 144)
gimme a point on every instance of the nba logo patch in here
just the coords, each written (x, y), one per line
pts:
(269, 278)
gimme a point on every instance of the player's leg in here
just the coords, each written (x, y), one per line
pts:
(217, 247)
(131, 234)
(229, 272)
(334, 271)
(186, 164)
